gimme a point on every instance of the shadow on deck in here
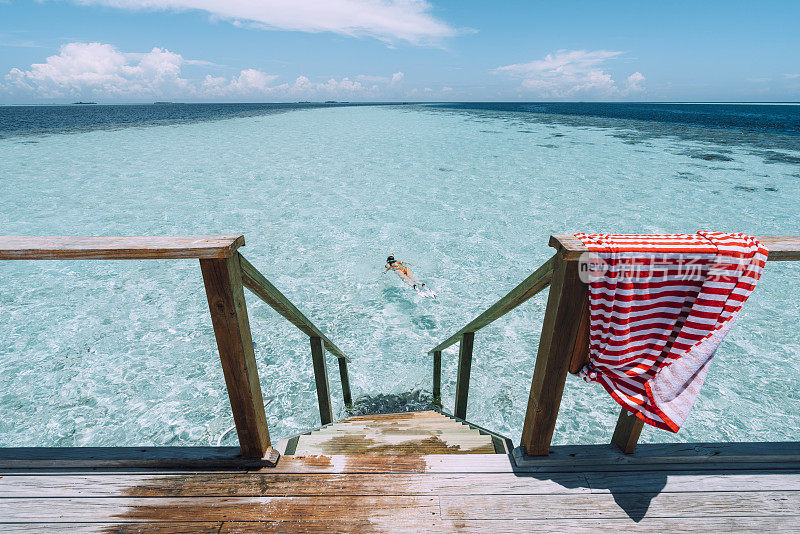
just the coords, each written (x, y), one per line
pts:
(677, 487)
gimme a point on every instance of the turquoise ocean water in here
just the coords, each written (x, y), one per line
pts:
(106, 353)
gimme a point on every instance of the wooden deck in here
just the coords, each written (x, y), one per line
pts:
(387, 473)
(677, 488)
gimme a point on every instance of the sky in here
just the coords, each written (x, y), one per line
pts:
(120, 51)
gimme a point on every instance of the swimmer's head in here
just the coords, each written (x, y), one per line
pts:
(390, 259)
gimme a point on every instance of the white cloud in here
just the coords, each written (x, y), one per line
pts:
(791, 76)
(95, 68)
(634, 83)
(248, 82)
(387, 20)
(101, 71)
(568, 73)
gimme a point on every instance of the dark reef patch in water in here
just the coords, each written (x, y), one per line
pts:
(770, 156)
(392, 403)
(44, 120)
(709, 156)
(691, 177)
(756, 126)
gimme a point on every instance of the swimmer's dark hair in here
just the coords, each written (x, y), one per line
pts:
(390, 259)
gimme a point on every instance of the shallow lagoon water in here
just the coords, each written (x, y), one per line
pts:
(107, 353)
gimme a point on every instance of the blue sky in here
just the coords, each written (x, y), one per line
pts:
(55, 51)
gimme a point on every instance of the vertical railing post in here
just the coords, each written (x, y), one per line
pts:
(223, 282)
(562, 318)
(627, 431)
(345, 377)
(464, 366)
(437, 377)
(321, 379)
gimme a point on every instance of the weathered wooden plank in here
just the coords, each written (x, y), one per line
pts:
(627, 431)
(281, 484)
(568, 246)
(556, 344)
(526, 289)
(431, 414)
(263, 288)
(223, 282)
(398, 425)
(129, 457)
(780, 456)
(245, 484)
(120, 528)
(321, 380)
(204, 509)
(404, 507)
(118, 248)
(606, 505)
(691, 481)
(464, 368)
(458, 428)
(437, 377)
(756, 525)
(781, 247)
(394, 444)
(711, 525)
(694, 455)
(580, 354)
(344, 376)
(406, 463)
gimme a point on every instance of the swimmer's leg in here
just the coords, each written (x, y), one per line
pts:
(408, 280)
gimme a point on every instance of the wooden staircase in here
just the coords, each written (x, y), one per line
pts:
(407, 433)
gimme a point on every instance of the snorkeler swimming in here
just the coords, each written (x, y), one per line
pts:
(400, 267)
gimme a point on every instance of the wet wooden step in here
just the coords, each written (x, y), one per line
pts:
(402, 416)
(416, 430)
(326, 444)
(403, 424)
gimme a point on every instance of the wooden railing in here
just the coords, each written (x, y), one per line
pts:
(225, 274)
(564, 342)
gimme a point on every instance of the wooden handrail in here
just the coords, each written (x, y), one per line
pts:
(263, 288)
(564, 342)
(781, 247)
(225, 274)
(118, 248)
(526, 289)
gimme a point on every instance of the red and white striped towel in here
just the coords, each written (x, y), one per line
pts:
(659, 307)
